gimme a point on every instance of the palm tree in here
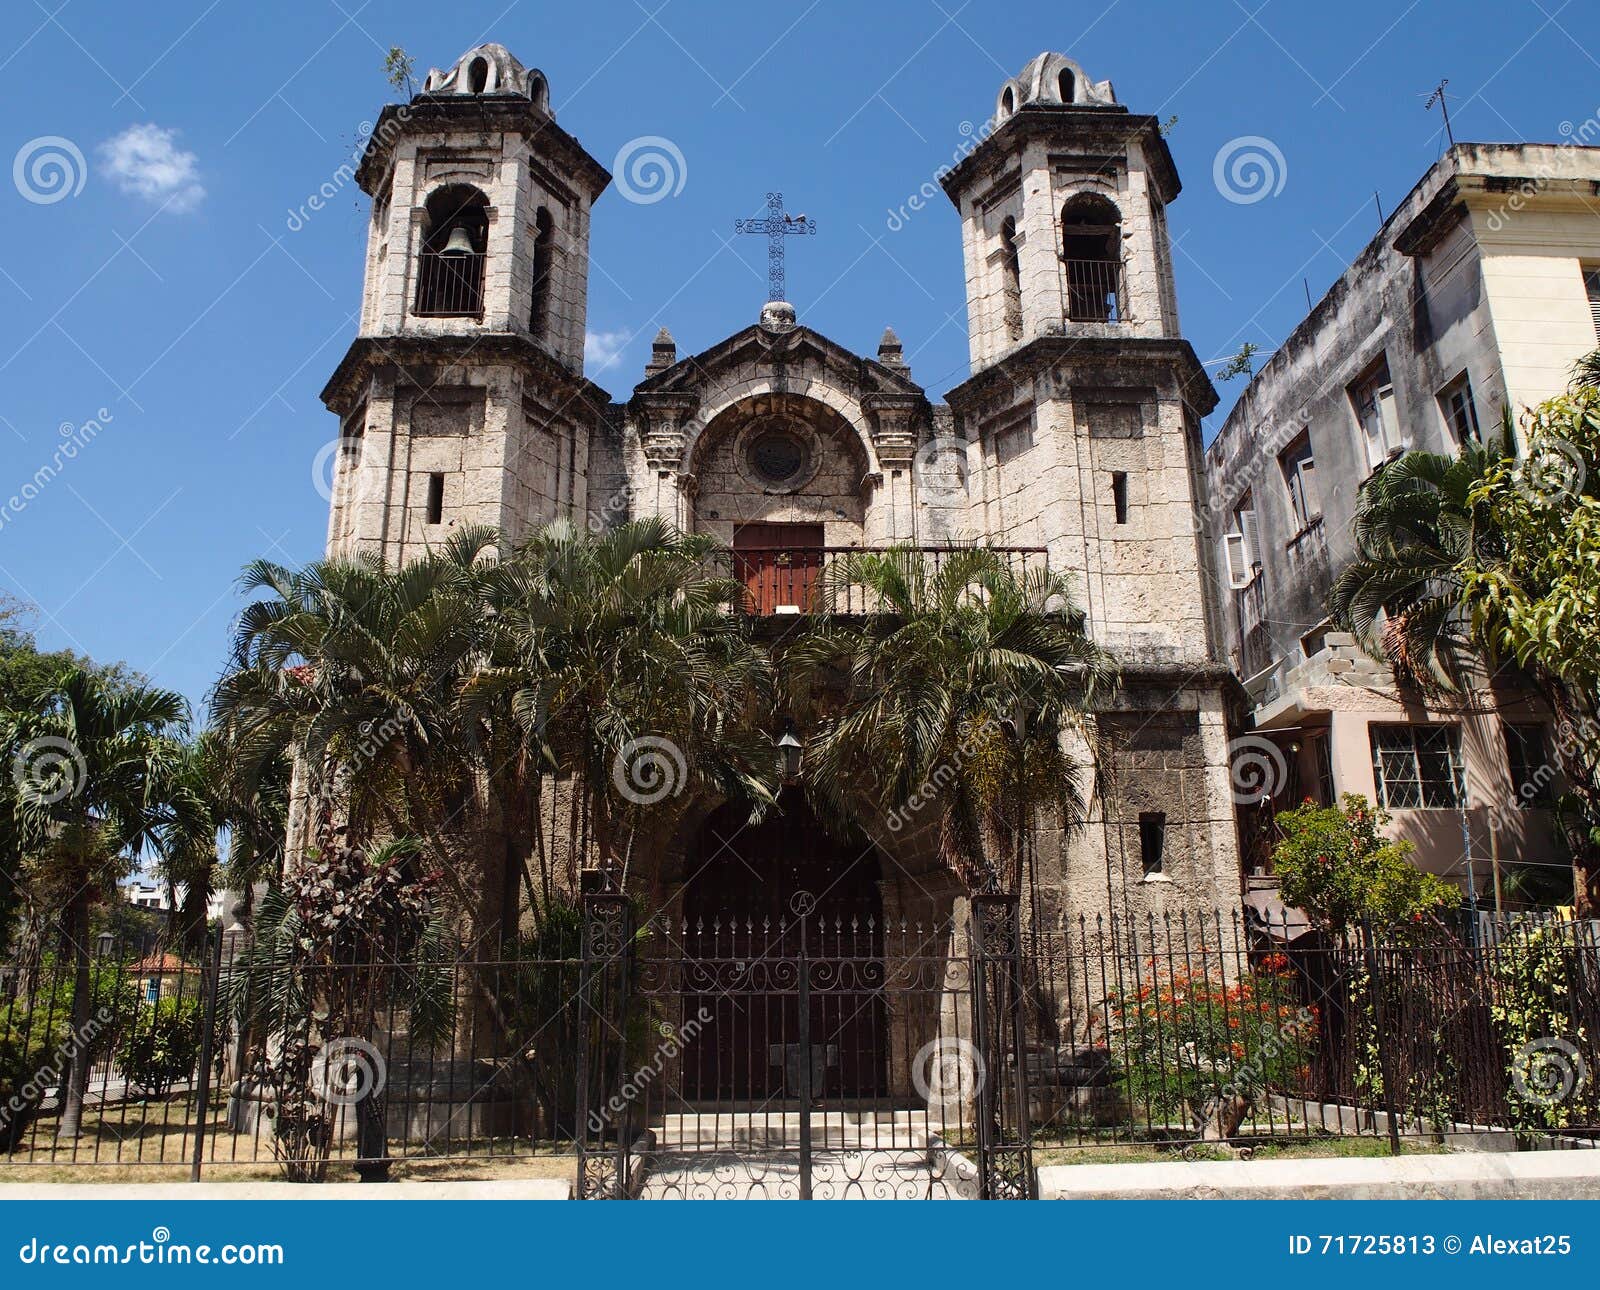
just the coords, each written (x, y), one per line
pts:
(92, 762)
(1416, 529)
(621, 664)
(952, 702)
(353, 671)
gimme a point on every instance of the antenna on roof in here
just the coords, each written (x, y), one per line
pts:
(1438, 97)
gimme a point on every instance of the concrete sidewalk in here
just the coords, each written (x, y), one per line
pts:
(1527, 1175)
(498, 1189)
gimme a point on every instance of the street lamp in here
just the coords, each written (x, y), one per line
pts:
(789, 753)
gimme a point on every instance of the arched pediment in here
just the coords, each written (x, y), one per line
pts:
(878, 404)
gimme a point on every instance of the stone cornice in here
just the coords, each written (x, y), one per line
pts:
(369, 354)
(1045, 352)
(1105, 128)
(485, 113)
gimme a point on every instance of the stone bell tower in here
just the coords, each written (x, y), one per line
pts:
(1082, 388)
(462, 399)
(1081, 427)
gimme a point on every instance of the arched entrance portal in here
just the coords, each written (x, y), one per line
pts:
(776, 912)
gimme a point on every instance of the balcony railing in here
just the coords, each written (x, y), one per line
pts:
(1092, 291)
(449, 286)
(804, 580)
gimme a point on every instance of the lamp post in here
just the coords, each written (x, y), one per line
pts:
(790, 751)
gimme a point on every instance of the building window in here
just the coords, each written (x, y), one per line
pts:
(1460, 415)
(435, 499)
(1153, 842)
(1591, 287)
(1119, 494)
(1064, 85)
(450, 268)
(1529, 762)
(1241, 556)
(777, 455)
(1373, 400)
(544, 231)
(1300, 476)
(1011, 272)
(1091, 256)
(1417, 766)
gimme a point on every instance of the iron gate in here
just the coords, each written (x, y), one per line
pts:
(804, 1057)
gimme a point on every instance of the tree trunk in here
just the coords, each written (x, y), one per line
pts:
(82, 985)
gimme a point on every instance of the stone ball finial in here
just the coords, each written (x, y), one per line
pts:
(778, 315)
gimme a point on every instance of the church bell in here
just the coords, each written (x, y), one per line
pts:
(459, 242)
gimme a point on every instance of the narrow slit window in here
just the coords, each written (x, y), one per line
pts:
(1153, 841)
(1119, 494)
(435, 498)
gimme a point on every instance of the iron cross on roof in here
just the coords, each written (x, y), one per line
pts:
(775, 225)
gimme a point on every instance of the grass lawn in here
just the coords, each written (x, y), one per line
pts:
(153, 1142)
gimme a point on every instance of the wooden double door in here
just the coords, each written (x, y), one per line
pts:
(780, 566)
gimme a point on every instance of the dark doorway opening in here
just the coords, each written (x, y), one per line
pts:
(766, 906)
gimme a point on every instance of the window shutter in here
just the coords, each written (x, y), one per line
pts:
(1233, 561)
(1252, 545)
(1392, 437)
(1591, 284)
(1308, 490)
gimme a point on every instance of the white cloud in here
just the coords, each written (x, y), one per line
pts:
(603, 348)
(145, 160)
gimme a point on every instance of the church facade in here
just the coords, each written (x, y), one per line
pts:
(1075, 441)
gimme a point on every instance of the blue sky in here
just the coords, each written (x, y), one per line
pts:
(173, 321)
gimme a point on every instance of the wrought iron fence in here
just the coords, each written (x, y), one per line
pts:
(1213, 1033)
(808, 1056)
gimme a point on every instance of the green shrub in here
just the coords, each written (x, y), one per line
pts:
(1535, 1004)
(1333, 863)
(162, 1045)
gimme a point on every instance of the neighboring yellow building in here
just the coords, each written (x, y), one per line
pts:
(1479, 293)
